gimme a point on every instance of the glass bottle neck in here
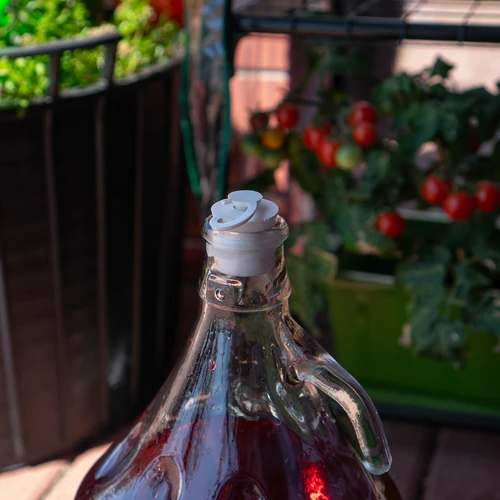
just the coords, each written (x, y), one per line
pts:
(288, 353)
(245, 294)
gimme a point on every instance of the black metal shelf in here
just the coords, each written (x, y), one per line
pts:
(445, 21)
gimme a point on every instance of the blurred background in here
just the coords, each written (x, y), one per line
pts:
(373, 125)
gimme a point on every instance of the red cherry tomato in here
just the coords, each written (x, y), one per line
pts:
(287, 115)
(173, 9)
(487, 196)
(434, 190)
(327, 152)
(459, 206)
(362, 111)
(390, 224)
(364, 134)
(313, 136)
(259, 120)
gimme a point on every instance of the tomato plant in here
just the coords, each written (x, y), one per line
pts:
(348, 156)
(273, 138)
(327, 152)
(425, 118)
(390, 224)
(287, 115)
(364, 134)
(487, 196)
(459, 206)
(434, 190)
(362, 111)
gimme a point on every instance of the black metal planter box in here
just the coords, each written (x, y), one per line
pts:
(90, 236)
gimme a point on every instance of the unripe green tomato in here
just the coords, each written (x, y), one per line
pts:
(348, 156)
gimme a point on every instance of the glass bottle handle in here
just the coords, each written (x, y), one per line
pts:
(315, 366)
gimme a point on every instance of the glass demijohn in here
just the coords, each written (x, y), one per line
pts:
(249, 412)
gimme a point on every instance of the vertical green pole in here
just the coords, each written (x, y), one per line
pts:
(205, 100)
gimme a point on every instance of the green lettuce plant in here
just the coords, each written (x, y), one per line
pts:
(146, 40)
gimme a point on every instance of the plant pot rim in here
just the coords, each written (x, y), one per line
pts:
(109, 39)
(436, 215)
(101, 88)
(111, 35)
(368, 277)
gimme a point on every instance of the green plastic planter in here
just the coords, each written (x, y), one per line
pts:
(367, 313)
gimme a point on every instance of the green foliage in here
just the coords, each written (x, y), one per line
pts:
(427, 270)
(484, 313)
(143, 43)
(441, 68)
(311, 268)
(451, 294)
(383, 177)
(355, 223)
(30, 22)
(340, 60)
(262, 181)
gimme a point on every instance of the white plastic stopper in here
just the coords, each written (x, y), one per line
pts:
(238, 208)
(234, 241)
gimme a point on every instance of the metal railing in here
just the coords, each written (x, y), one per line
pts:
(55, 49)
(445, 21)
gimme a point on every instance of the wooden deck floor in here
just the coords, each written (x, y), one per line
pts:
(439, 463)
(430, 463)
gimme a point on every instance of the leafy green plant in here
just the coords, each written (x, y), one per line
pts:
(146, 40)
(361, 175)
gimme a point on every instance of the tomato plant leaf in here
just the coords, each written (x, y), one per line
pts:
(335, 187)
(432, 334)
(262, 181)
(425, 123)
(467, 279)
(343, 61)
(382, 177)
(315, 233)
(307, 175)
(441, 68)
(488, 116)
(449, 127)
(322, 265)
(483, 314)
(473, 235)
(486, 167)
(306, 300)
(427, 269)
(356, 225)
